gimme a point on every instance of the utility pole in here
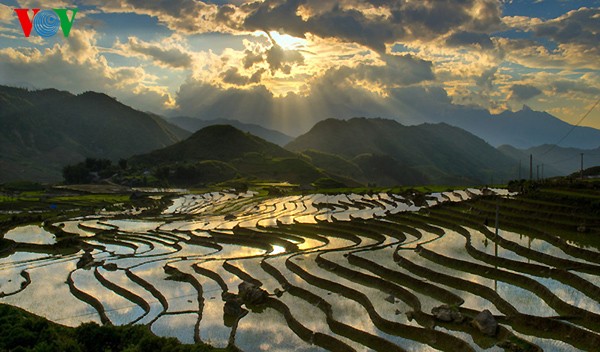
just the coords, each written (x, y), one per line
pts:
(581, 170)
(537, 173)
(496, 238)
(542, 171)
(530, 167)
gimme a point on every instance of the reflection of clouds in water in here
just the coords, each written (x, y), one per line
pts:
(548, 344)
(452, 245)
(49, 296)
(268, 330)
(139, 226)
(118, 309)
(30, 234)
(180, 326)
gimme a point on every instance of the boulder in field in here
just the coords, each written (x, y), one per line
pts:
(486, 323)
(447, 314)
(251, 294)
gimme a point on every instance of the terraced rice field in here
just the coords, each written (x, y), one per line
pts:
(345, 272)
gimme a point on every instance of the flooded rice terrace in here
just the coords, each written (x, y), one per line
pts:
(317, 272)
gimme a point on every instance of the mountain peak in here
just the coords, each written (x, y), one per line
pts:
(526, 108)
(222, 130)
(444, 153)
(195, 124)
(216, 142)
(97, 95)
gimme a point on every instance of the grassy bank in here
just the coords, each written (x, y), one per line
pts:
(22, 331)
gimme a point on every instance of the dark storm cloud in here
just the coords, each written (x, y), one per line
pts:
(523, 92)
(425, 20)
(460, 39)
(283, 60)
(232, 76)
(371, 23)
(565, 86)
(576, 27)
(398, 70)
(486, 80)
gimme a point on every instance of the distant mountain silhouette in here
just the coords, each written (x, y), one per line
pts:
(397, 154)
(521, 129)
(222, 152)
(193, 124)
(556, 161)
(44, 130)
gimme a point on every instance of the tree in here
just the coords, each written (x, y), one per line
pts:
(77, 173)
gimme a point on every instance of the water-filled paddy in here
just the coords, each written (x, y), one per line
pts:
(357, 269)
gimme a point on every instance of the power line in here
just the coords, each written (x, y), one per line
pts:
(571, 158)
(571, 130)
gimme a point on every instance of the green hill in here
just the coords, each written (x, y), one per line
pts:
(42, 131)
(222, 152)
(390, 153)
(194, 124)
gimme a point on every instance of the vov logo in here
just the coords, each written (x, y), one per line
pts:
(46, 22)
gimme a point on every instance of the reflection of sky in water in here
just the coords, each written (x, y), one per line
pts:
(564, 292)
(30, 234)
(452, 245)
(180, 295)
(180, 326)
(49, 296)
(266, 330)
(540, 245)
(119, 310)
(73, 227)
(134, 225)
(548, 344)
(287, 210)
(452, 196)
(11, 280)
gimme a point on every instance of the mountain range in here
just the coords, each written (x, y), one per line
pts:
(42, 131)
(390, 153)
(522, 129)
(222, 152)
(357, 151)
(553, 160)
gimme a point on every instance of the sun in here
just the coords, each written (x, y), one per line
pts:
(288, 42)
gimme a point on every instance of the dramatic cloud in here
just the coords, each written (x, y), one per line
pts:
(580, 28)
(188, 16)
(570, 86)
(77, 66)
(232, 76)
(575, 35)
(522, 92)
(469, 38)
(288, 63)
(283, 60)
(166, 55)
(375, 23)
(334, 94)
